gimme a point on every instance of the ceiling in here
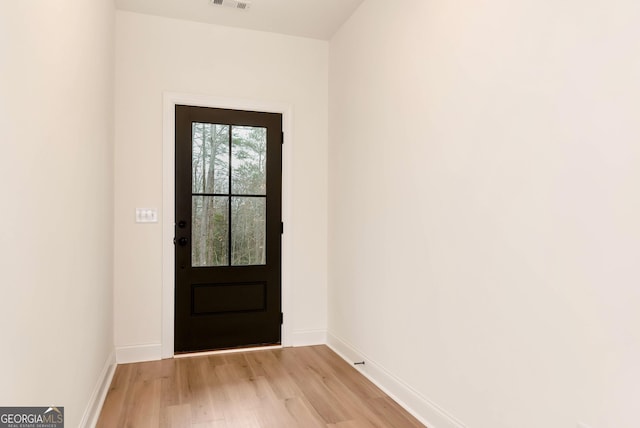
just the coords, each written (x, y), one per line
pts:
(317, 19)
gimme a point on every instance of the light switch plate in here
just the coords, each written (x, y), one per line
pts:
(146, 215)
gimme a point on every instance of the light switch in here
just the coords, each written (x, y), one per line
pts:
(146, 215)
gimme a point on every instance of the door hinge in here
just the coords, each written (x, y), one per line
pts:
(281, 318)
(281, 228)
(282, 138)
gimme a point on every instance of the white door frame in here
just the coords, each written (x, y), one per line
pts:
(170, 100)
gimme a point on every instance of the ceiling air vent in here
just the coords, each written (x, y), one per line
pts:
(235, 4)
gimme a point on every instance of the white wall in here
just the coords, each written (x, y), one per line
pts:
(154, 55)
(483, 225)
(56, 172)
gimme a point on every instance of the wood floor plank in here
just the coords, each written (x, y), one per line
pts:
(206, 397)
(309, 387)
(169, 395)
(350, 403)
(144, 409)
(391, 414)
(238, 386)
(303, 413)
(215, 424)
(176, 416)
(271, 366)
(115, 404)
(351, 424)
(348, 374)
(274, 414)
(319, 385)
(237, 417)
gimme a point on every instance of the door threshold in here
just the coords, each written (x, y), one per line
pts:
(227, 351)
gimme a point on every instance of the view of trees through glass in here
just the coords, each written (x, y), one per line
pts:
(228, 195)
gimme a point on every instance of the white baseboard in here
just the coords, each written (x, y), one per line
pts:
(308, 337)
(139, 353)
(92, 412)
(419, 406)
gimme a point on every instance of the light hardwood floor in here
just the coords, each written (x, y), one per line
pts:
(308, 387)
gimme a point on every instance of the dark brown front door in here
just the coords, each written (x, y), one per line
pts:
(228, 228)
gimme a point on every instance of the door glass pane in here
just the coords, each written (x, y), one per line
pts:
(249, 160)
(248, 231)
(210, 231)
(210, 158)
